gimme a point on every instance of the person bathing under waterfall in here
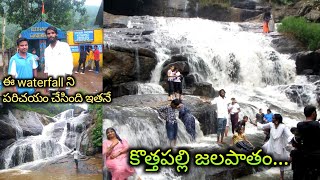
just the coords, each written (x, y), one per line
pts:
(168, 114)
(76, 155)
(188, 120)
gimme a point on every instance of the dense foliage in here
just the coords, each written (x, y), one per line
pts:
(306, 32)
(97, 110)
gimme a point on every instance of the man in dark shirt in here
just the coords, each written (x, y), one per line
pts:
(82, 60)
(259, 117)
(242, 124)
(309, 148)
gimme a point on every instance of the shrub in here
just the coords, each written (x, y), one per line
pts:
(306, 32)
(97, 131)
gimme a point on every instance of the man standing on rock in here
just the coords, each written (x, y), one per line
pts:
(234, 110)
(222, 114)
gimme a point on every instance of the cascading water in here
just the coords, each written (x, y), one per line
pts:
(56, 139)
(234, 56)
(137, 64)
(14, 122)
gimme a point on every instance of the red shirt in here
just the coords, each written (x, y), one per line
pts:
(96, 55)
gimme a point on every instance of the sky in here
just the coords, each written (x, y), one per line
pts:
(93, 2)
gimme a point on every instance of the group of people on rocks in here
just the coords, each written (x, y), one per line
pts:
(306, 155)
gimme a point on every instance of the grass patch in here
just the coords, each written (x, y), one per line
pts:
(306, 32)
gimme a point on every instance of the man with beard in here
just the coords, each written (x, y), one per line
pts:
(222, 114)
(58, 57)
(23, 66)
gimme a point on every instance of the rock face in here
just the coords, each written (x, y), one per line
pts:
(307, 9)
(287, 46)
(308, 63)
(30, 122)
(204, 89)
(123, 89)
(7, 134)
(235, 11)
(204, 112)
(125, 65)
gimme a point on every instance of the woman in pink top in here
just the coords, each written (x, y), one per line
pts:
(115, 151)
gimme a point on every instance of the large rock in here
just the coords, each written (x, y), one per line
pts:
(309, 61)
(5, 143)
(305, 9)
(287, 46)
(30, 122)
(7, 131)
(123, 89)
(297, 94)
(219, 12)
(313, 15)
(204, 112)
(203, 89)
(244, 4)
(125, 65)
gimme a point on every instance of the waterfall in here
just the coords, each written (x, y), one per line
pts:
(142, 127)
(137, 67)
(197, 9)
(234, 56)
(14, 122)
(56, 139)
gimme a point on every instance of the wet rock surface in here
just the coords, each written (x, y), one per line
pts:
(63, 168)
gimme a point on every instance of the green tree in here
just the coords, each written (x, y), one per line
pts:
(27, 12)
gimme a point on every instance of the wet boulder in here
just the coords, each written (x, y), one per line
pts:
(309, 60)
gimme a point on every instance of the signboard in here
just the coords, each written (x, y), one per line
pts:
(83, 36)
(74, 49)
(36, 31)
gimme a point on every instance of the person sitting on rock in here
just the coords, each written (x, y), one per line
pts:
(239, 139)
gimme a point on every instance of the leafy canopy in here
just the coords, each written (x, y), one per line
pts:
(25, 13)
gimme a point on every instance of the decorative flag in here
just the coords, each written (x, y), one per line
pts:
(43, 15)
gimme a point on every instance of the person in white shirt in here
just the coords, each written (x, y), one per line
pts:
(177, 84)
(76, 155)
(58, 57)
(234, 110)
(171, 77)
(222, 114)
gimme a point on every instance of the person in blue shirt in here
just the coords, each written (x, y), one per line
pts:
(268, 116)
(23, 66)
